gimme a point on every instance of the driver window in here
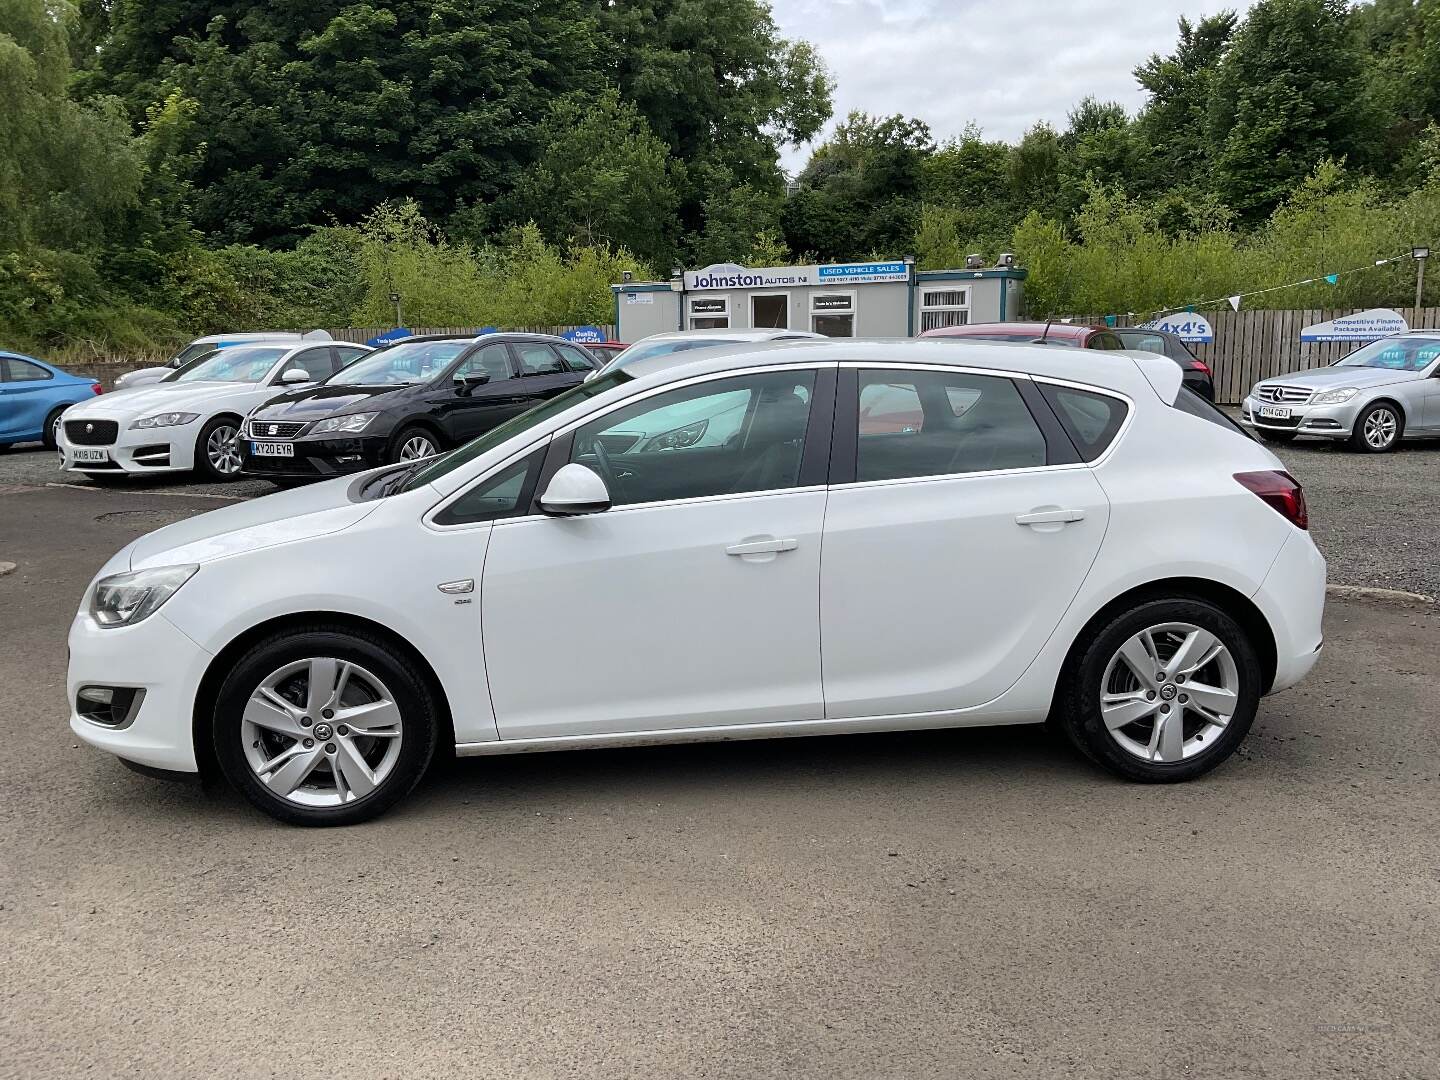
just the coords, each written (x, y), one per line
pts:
(314, 362)
(492, 360)
(723, 437)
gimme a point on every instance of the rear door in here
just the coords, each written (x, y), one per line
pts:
(959, 528)
(542, 370)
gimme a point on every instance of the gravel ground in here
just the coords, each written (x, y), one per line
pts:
(972, 904)
(32, 464)
(1376, 517)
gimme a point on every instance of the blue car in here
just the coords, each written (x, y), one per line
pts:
(33, 394)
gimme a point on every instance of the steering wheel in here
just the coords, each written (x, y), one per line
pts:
(607, 471)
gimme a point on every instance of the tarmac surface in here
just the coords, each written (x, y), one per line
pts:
(955, 904)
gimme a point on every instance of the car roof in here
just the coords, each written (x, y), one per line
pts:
(1057, 330)
(762, 333)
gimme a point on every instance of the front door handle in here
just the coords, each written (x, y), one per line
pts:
(1049, 517)
(762, 547)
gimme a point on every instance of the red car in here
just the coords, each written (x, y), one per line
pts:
(605, 351)
(1195, 372)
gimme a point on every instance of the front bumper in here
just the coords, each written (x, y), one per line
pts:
(152, 450)
(316, 459)
(1325, 421)
(154, 656)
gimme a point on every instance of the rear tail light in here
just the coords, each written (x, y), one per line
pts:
(97, 388)
(1200, 365)
(1280, 490)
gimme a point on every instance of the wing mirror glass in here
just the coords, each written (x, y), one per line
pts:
(575, 490)
(291, 376)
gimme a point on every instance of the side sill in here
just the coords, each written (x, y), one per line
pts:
(740, 732)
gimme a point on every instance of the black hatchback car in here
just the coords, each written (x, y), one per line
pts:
(1196, 372)
(418, 397)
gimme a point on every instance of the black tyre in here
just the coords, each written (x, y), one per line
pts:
(1142, 670)
(321, 726)
(52, 428)
(217, 449)
(1277, 437)
(414, 443)
(1378, 428)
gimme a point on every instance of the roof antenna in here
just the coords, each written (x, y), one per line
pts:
(1046, 332)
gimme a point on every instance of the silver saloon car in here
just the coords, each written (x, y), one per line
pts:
(1384, 392)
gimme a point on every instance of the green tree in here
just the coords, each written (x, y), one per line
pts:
(735, 221)
(1174, 124)
(1286, 95)
(601, 178)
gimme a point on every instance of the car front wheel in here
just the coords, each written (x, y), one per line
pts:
(1163, 692)
(217, 449)
(1377, 429)
(413, 444)
(324, 727)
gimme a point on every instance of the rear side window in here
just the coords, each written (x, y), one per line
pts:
(938, 423)
(1187, 401)
(1091, 420)
(17, 370)
(1105, 341)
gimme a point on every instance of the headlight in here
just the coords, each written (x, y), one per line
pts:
(125, 599)
(688, 435)
(1335, 397)
(165, 419)
(346, 425)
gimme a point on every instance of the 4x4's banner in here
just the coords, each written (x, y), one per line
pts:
(1186, 325)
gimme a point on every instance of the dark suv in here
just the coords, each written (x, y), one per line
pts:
(412, 399)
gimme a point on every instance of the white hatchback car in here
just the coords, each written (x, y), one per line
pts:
(1009, 536)
(191, 418)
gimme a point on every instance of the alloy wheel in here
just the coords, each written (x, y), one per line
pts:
(416, 447)
(222, 449)
(322, 732)
(1168, 692)
(1380, 428)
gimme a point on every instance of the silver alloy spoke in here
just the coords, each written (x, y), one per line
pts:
(265, 710)
(351, 769)
(1121, 709)
(1167, 741)
(1139, 655)
(1197, 650)
(324, 675)
(1208, 700)
(378, 719)
(288, 770)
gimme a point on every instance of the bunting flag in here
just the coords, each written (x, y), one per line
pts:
(1234, 300)
(1111, 320)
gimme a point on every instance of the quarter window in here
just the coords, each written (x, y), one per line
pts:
(723, 437)
(1091, 420)
(575, 359)
(17, 370)
(937, 423)
(501, 495)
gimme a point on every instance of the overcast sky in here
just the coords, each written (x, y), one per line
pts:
(1002, 63)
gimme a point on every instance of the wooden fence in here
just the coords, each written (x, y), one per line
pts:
(1254, 345)
(363, 334)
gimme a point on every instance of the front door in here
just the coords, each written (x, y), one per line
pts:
(692, 601)
(954, 550)
(468, 410)
(770, 311)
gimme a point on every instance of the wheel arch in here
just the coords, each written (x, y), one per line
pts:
(1234, 603)
(224, 660)
(1394, 402)
(424, 423)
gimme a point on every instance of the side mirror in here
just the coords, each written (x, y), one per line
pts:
(291, 376)
(465, 384)
(575, 490)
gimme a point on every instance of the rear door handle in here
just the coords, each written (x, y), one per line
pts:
(761, 547)
(1049, 517)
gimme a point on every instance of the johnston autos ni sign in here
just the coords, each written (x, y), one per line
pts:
(732, 276)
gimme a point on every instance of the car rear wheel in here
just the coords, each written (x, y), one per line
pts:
(1277, 437)
(1378, 429)
(324, 727)
(51, 436)
(413, 444)
(1163, 692)
(217, 449)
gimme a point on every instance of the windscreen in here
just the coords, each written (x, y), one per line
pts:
(1395, 354)
(243, 364)
(401, 364)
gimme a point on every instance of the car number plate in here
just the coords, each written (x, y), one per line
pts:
(272, 449)
(1274, 412)
(89, 455)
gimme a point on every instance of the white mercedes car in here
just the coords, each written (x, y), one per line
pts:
(190, 419)
(1010, 536)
